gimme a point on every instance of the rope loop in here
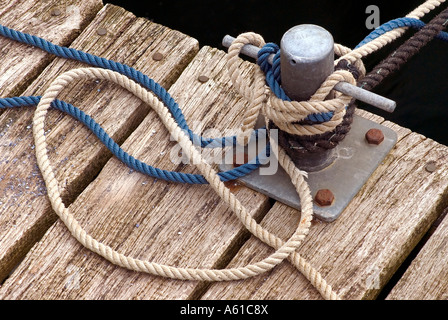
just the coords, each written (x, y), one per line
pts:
(283, 249)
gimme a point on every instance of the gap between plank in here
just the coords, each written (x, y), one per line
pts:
(396, 277)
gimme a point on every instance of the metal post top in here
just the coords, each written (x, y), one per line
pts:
(306, 43)
(307, 59)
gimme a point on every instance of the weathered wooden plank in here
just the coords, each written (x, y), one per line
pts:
(76, 153)
(20, 65)
(57, 21)
(427, 276)
(176, 224)
(358, 253)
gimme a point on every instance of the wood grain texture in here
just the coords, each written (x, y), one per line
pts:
(427, 276)
(21, 63)
(176, 224)
(20, 66)
(76, 154)
(359, 252)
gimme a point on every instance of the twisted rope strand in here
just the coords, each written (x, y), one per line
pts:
(284, 113)
(254, 93)
(395, 24)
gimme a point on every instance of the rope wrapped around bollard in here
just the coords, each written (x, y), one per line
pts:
(293, 117)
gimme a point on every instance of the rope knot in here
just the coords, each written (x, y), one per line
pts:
(322, 113)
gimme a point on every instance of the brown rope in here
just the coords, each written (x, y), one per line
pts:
(406, 51)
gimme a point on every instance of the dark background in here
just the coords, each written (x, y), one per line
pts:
(420, 88)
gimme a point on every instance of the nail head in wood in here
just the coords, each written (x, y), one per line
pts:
(157, 56)
(431, 166)
(203, 78)
(101, 31)
(56, 12)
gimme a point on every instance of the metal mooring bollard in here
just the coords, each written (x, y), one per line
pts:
(307, 59)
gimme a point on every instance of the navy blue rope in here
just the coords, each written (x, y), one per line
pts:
(272, 77)
(118, 151)
(150, 84)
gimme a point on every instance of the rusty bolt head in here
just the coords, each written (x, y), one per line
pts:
(374, 136)
(324, 197)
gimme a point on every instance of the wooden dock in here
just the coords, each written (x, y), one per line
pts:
(391, 242)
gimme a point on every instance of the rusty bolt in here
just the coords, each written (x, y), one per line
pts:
(324, 197)
(374, 136)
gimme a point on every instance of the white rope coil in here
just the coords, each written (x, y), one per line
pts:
(283, 249)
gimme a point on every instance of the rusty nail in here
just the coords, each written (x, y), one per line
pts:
(56, 12)
(374, 136)
(157, 56)
(324, 197)
(203, 78)
(101, 31)
(431, 166)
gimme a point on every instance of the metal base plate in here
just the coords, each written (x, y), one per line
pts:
(356, 161)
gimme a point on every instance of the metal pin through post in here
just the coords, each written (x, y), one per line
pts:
(344, 87)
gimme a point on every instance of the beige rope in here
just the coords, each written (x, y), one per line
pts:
(283, 249)
(254, 93)
(392, 35)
